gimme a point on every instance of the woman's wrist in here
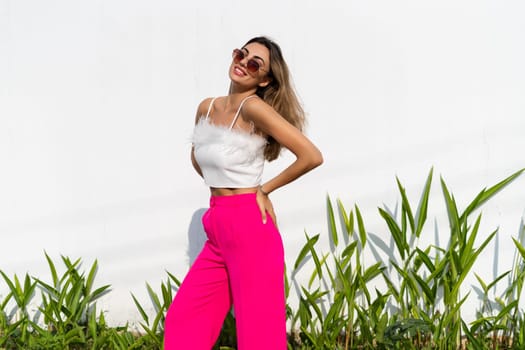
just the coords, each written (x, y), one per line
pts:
(263, 191)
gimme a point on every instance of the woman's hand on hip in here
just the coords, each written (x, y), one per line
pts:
(266, 207)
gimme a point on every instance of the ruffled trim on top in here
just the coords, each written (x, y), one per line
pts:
(247, 146)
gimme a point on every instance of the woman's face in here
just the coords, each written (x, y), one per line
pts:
(250, 65)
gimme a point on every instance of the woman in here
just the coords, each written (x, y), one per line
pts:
(242, 262)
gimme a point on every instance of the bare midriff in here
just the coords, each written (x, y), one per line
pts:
(231, 191)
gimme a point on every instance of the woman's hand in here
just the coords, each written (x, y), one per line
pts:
(265, 206)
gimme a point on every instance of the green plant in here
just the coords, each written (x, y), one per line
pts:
(66, 317)
(424, 286)
(500, 319)
(445, 269)
(329, 315)
(155, 328)
(340, 307)
(70, 299)
(18, 325)
(406, 334)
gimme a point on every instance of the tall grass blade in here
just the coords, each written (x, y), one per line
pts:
(174, 279)
(91, 277)
(52, 269)
(396, 232)
(141, 309)
(405, 204)
(310, 242)
(360, 226)
(452, 210)
(154, 298)
(470, 262)
(486, 194)
(427, 291)
(348, 219)
(331, 221)
(520, 247)
(423, 205)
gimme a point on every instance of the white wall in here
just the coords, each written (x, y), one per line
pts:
(97, 101)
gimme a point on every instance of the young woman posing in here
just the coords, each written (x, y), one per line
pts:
(242, 262)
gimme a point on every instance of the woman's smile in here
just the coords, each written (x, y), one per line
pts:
(239, 71)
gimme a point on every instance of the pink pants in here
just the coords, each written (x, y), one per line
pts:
(242, 262)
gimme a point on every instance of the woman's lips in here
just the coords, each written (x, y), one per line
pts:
(238, 71)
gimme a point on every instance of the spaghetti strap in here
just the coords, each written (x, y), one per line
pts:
(239, 111)
(209, 108)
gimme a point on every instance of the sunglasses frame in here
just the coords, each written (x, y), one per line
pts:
(251, 65)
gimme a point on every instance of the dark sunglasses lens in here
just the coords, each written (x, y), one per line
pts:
(252, 66)
(238, 55)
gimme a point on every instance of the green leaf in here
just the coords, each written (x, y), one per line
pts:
(99, 292)
(361, 227)
(466, 251)
(318, 268)
(331, 221)
(423, 255)
(348, 219)
(452, 211)
(520, 247)
(482, 284)
(174, 279)
(506, 311)
(470, 262)
(141, 309)
(372, 271)
(349, 250)
(91, 277)
(499, 278)
(52, 268)
(429, 293)
(310, 242)
(405, 205)
(473, 339)
(396, 232)
(423, 205)
(486, 194)
(154, 298)
(167, 295)
(14, 290)
(29, 289)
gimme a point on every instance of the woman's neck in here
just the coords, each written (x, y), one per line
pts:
(233, 99)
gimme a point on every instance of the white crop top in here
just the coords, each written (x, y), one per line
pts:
(228, 157)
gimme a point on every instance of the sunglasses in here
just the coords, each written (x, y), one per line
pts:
(252, 65)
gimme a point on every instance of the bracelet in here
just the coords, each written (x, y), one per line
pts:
(263, 191)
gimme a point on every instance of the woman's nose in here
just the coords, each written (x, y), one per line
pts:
(244, 61)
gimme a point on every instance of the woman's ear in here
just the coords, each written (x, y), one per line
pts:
(265, 81)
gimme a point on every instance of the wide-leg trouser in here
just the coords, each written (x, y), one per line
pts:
(242, 262)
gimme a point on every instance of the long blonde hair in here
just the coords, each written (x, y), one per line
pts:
(279, 93)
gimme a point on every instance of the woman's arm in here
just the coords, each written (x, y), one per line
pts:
(267, 120)
(308, 156)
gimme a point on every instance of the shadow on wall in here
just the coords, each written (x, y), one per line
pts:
(196, 235)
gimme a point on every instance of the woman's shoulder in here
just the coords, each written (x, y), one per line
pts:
(204, 106)
(256, 106)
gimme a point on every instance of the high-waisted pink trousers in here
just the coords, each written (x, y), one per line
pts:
(242, 263)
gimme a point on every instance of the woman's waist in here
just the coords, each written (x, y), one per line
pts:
(232, 197)
(229, 191)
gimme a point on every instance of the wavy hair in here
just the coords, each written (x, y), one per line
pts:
(279, 93)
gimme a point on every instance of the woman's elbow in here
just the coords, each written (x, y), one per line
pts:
(316, 159)
(319, 159)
